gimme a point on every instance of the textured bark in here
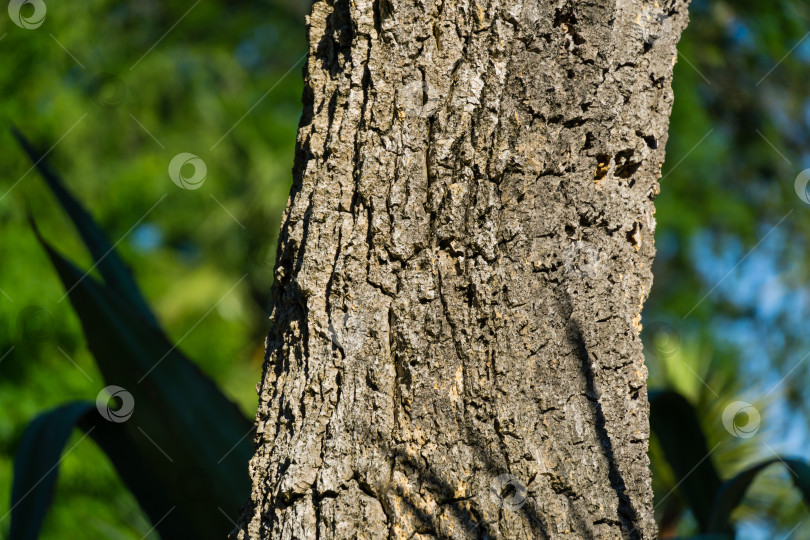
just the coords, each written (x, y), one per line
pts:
(455, 347)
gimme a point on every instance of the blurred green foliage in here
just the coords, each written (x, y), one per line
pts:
(726, 317)
(193, 73)
(181, 412)
(710, 499)
(221, 60)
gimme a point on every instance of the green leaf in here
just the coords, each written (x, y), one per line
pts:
(675, 423)
(36, 466)
(141, 481)
(112, 268)
(733, 490)
(195, 440)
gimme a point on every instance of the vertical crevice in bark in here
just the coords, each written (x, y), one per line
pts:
(461, 268)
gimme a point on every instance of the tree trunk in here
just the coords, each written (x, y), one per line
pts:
(466, 249)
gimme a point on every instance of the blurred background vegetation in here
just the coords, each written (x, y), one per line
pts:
(120, 89)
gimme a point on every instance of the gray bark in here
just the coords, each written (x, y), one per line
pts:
(463, 260)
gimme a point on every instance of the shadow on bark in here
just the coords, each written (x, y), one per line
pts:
(471, 519)
(626, 512)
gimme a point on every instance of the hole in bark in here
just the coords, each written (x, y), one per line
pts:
(566, 20)
(634, 236)
(452, 247)
(602, 167)
(625, 168)
(589, 138)
(570, 230)
(469, 295)
(585, 106)
(508, 491)
(571, 74)
(566, 17)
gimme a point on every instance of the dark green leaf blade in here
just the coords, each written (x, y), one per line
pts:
(733, 490)
(116, 441)
(112, 268)
(37, 463)
(675, 423)
(36, 466)
(194, 438)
